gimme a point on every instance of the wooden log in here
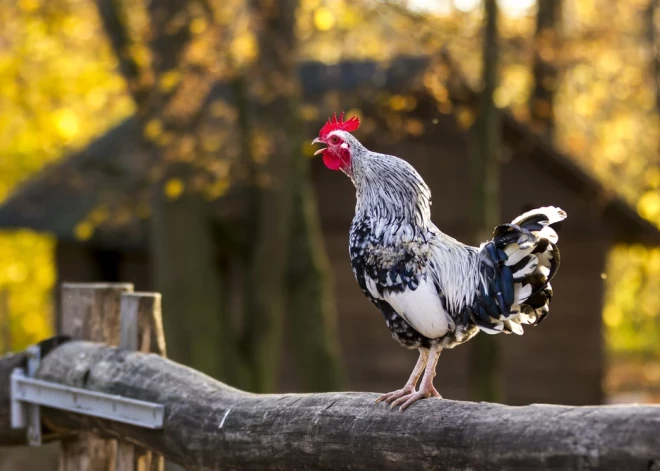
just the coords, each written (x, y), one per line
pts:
(90, 311)
(209, 425)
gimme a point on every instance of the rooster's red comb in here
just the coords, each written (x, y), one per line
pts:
(334, 124)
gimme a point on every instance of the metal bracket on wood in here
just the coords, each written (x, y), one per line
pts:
(28, 394)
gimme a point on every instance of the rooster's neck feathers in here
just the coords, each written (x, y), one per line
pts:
(389, 189)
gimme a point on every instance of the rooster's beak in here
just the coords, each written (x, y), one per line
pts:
(318, 141)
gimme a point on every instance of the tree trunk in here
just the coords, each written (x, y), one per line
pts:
(186, 273)
(274, 123)
(312, 313)
(546, 48)
(183, 252)
(484, 355)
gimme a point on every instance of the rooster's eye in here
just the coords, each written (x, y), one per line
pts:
(334, 139)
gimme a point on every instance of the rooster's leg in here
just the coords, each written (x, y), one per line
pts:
(412, 381)
(426, 388)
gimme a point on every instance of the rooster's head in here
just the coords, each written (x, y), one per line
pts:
(335, 134)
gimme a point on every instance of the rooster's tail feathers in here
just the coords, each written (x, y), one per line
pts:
(516, 267)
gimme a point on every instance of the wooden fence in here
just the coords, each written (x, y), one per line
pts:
(209, 425)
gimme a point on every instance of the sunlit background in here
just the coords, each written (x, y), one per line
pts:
(60, 87)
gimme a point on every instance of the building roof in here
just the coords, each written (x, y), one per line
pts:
(64, 193)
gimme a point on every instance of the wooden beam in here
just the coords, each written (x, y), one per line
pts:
(209, 425)
(90, 311)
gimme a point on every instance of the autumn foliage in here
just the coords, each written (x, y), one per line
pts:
(61, 87)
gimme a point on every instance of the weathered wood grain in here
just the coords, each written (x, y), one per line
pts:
(90, 311)
(128, 339)
(209, 425)
(141, 326)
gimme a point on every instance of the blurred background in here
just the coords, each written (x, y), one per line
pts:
(167, 143)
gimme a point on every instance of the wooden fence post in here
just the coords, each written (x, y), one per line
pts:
(90, 311)
(141, 329)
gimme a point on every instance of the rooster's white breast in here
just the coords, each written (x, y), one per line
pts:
(421, 308)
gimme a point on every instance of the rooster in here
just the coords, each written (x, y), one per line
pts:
(434, 291)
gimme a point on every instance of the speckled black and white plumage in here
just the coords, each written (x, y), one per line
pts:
(432, 289)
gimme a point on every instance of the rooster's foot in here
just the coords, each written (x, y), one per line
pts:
(407, 400)
(394, 395)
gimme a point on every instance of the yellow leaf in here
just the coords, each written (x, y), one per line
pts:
(217, 189)
(169, 80)
(501, 98)
(98, 215)
(198, 25)
(28, 5)
(465, 117)
(397, 102)
(66, 123)
(17, 272)
(140, 54)
(649, 205)
(414, 127)
(402, 102)
(324, 19)
(153, 129)
(211, 143)
(83, 231)
(244, 48)
(164, 139)
(173, 188)
(349, 19)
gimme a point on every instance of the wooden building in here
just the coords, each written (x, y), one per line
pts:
(561, 361)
